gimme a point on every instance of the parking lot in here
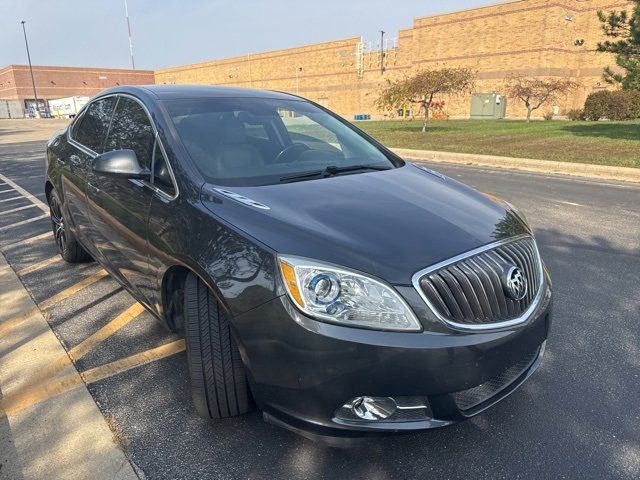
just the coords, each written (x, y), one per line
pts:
(577, 416)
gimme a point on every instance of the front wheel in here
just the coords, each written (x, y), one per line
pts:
(68, 246)
(218, 383)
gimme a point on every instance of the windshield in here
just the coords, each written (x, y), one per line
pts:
(257, 141)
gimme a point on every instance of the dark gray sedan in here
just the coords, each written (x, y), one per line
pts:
(313, 273)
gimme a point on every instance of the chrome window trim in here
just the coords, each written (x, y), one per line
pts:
(415, 280)
(156, 138)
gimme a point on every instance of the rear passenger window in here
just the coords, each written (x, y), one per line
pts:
(93, 125)
(131, 129)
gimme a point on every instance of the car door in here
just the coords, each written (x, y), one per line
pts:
(162, 223)
(119, 206)
(86, 138)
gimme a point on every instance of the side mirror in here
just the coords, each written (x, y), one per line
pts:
(120, 163)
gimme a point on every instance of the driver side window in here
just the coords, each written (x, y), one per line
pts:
(131, 129)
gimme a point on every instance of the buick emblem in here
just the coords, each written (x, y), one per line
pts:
(515, 283)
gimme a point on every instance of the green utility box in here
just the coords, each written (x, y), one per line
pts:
(489, 106)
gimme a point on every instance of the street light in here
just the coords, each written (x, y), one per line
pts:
(126, 13)
(382, 32)
(33, 82)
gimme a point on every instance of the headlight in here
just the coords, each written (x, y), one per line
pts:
(345, 297)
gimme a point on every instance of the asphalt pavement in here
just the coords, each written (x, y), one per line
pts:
(578, 416)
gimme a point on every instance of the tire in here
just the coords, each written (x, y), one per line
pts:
(68, 247)
(218, 382)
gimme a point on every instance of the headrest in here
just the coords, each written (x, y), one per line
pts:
(233, 132)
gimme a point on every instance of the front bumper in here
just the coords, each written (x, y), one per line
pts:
(302, 371)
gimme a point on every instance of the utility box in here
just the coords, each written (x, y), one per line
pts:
(489, 106)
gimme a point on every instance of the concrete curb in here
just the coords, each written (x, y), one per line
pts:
(603, 172)
(55, 433)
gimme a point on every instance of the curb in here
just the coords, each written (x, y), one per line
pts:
(46, 431)
(602, 172)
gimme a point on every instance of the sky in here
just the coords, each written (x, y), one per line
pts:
(170, 32)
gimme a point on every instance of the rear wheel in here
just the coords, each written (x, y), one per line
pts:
(218, 382)
(66, 242)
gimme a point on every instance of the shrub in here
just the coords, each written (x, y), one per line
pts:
(548, 116)
(614, 105)
(575, 114)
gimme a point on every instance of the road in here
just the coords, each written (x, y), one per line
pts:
(577, 417)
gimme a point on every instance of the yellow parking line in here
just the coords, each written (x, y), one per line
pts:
(25, 398)
(24, 222)
(11, 199)
(33, 394)
(29, 241)
(84, 347)
(39, 265)
(39, 203)
(109, 329)
(17, 209)
(67, 292)
(127, 363)
(48, 303)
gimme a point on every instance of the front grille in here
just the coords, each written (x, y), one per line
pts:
(468, 399)
(469, 290)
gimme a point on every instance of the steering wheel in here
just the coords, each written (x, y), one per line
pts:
(288, 150)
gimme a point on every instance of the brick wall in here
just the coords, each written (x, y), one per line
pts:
(527, 37)
(59, 82)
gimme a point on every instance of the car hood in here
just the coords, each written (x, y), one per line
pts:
(389, 223)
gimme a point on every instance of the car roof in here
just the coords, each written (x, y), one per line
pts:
(171, 92)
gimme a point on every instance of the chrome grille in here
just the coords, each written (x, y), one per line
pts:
(468, 291)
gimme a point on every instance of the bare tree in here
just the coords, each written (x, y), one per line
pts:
(423, 86)
(536, 92)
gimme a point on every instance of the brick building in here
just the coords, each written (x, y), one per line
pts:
(59, 82)
(542, 38)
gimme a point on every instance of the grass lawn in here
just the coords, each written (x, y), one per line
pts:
(604, 143)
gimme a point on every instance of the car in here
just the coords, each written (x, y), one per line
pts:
(314, 274)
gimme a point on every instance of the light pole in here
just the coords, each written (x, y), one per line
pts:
(382, 32)
(126, 13)
(33, 82)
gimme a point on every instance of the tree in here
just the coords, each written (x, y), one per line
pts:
(536, 92)
(423, 86)
(624, 31)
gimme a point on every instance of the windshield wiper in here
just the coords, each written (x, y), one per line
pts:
(330, 171)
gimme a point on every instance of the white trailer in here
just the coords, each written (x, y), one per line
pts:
(67, 107)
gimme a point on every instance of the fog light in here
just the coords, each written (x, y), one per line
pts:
(374, 408)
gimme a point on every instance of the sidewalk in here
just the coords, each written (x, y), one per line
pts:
(46, 433)
(602, 172)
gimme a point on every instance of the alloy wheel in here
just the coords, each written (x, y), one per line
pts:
(57, 221)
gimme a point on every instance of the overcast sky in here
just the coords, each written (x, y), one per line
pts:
(171, 32)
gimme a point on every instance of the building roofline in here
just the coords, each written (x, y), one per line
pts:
(57, 67)
(470, 9)
(255, 54)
